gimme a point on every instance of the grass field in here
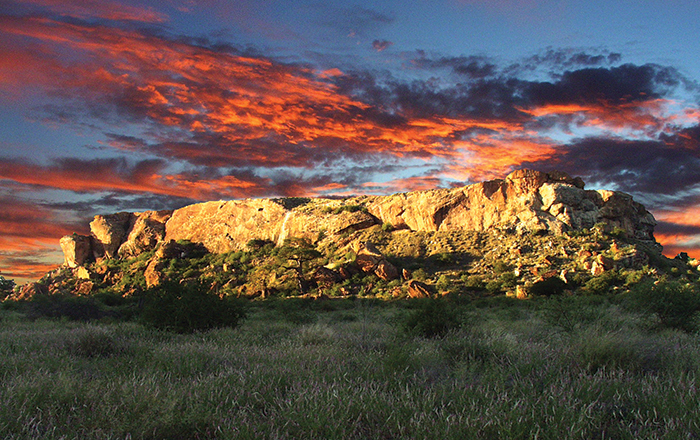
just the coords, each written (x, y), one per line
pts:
(576, 368)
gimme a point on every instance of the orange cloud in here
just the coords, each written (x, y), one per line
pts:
(683, 235)
(260, 110)
(642, 116)
(118, 175)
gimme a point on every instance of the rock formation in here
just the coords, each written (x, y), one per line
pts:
(525, 201)
(77, 249)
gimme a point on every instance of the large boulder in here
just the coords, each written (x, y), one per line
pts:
(109, 232)
(77, 250)
(417, 289)
(146, 231)
(228, 225)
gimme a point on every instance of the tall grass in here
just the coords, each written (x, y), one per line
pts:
(351, 372)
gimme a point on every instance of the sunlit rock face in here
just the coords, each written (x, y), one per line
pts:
(146, 230)
(228, 226)
(76, 249)
(525, 201)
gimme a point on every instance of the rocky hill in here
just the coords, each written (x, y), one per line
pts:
(500, 236)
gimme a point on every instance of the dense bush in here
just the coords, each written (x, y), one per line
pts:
(189, 307)
(73, 308)
(548, 287)
(433, 318)
(669, 304)
(602, 284)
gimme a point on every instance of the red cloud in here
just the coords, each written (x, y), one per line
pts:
(118, 175)
(256, 110)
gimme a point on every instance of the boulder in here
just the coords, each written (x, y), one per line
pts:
(84, 288)
(386, 271)
(525, 200)
(77, 250)
(30, 290)
(153, 273)
(145, 232)
(326, 277)
(417, 289)
(368, 256)
(82, 273)
(109, 231)
(370, 260)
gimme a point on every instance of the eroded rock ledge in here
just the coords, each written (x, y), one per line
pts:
(525, 201)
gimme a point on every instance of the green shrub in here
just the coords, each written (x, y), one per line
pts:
(669, 304)
(344, 208)
(434, 318)
(6, 287)
(619, 233)
(505, 281)
(188, 307)
(73, 308)
(501, 267)
(420, 275)
(473, 282)
(548, 287)
(443, 283)
(444, 259)
(601, 284)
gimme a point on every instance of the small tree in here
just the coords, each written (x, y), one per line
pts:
(297, 254)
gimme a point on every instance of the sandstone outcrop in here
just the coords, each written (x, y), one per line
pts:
(77, 249)
(145, 231)
(109, 232)
(525, 201)
(228, 226)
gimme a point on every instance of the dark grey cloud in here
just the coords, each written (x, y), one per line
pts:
(475, 67)
(667, 166)
(667, 228)
(562, 58)
(614, 85)
(380, 45)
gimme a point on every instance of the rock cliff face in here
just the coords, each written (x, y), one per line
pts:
(525, 201)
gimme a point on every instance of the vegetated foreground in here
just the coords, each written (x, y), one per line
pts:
(499, 368)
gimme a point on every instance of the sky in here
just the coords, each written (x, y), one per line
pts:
(131, 105)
